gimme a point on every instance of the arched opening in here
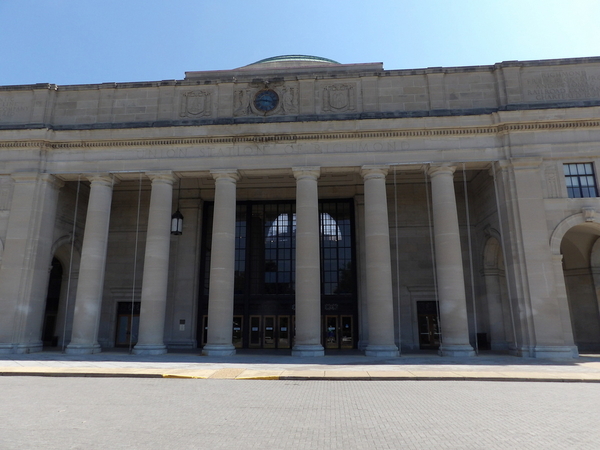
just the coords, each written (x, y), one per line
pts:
(49, 329)
(580, 248)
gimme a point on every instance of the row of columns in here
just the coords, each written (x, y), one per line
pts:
(88, 300)
(450, 280)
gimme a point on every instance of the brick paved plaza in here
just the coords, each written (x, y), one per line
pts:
(122, 413)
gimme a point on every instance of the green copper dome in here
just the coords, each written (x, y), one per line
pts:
(285, 61)
(296, 58)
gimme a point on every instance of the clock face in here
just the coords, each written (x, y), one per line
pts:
(266, 100)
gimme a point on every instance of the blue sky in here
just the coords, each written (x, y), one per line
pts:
(96, 41)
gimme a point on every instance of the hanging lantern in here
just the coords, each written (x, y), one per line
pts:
(177, 223)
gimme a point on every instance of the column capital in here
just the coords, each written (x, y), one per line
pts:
(228, 174)
(438, 169)
(165, 176)
(369, 172)
(312, 172)
(103, 178)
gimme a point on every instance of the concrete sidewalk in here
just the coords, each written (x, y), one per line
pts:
(248, 365)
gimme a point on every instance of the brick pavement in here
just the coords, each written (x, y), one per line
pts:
(83, 413)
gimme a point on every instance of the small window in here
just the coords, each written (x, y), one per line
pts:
(581, 181)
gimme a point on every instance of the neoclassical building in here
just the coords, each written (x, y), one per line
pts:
(298, 203)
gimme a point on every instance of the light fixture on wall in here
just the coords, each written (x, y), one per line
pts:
(177, 217)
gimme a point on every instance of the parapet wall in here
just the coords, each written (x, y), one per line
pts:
(342, 92)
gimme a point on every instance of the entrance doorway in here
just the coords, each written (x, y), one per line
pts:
(429, 329)
(265, 272)
(338, 331)
(128, 323)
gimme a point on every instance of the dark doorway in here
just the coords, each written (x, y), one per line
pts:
(429, 329)
(49, 337)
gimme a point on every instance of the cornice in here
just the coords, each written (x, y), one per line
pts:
(294, 137)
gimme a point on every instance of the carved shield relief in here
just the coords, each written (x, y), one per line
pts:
(196, 103)
(339, 98)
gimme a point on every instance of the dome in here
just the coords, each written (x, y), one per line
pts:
(285, 61)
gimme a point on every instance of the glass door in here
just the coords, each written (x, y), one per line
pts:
(283, 340)
(347, 332)
(255, 332)
(238, 328)
(331, 332)
(269, 332)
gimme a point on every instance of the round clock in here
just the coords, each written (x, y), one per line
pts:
(266, 100)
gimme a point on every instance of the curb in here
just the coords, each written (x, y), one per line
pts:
(121, 374)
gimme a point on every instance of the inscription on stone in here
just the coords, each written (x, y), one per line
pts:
(561, 86)
(268, 149)
(10, 108)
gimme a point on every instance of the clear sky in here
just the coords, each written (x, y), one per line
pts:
(96, 41)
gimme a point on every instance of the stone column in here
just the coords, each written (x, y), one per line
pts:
(156, 267)
(308, 264)
(222, 267)
(380, 307)
(26, 261)
(88, 300)
(449, 265)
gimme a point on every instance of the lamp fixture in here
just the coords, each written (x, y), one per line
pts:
(177, 217)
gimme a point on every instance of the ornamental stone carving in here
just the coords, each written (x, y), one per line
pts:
(552, 182)
(339, 98)
(283, 101)
(196, 104)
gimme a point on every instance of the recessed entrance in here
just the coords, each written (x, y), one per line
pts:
(429, 330)
(265, 278)
(128, 323)
(339, 331)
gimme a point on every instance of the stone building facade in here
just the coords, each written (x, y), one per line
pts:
(325, 206)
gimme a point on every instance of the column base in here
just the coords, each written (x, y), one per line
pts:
(461, 351)
(149, 349)
(6, 349)
(218, 350)
(553, 352)
(308, 350)
(32, 347)
(82, 349)
(382, 351)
